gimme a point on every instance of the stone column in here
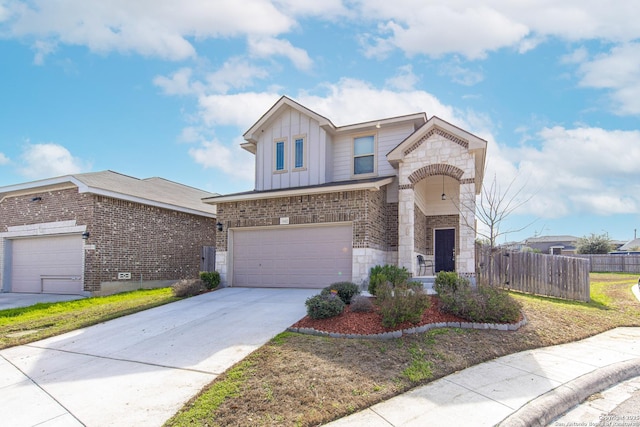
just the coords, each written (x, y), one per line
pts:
(406, 230)
(466, 258)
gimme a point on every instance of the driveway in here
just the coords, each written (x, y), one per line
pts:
(14, 300)
(138, 370)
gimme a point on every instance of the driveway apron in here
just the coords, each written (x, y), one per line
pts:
(140, 369)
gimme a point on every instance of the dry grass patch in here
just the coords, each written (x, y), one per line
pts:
(301, 380)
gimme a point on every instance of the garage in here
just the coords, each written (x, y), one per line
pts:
(296, 257)
(47, 265)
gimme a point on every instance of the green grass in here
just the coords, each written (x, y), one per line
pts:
(199, 412)
(28, 324)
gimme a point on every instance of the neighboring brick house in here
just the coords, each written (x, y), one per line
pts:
(101, 233)
(331, 202)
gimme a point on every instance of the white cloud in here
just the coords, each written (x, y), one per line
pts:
(179, 83)
(619, 71)
(473, 29)
(3, 159)
(404, 80)
(461, 75)
(236, 73)
(578, 56)
(583, 170)
(265, 47)
(49, 160)
(353, 101)
(233, 161)
(160, 28)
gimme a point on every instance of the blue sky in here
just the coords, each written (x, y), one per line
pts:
(167, 88)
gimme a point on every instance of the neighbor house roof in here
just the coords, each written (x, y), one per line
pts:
(631, 245)
(360, 184)
(552, 239)
(150, 191)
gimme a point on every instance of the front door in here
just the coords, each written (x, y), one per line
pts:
(445, 251)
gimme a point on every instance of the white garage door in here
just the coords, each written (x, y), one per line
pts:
(297, 257)
(47, 264)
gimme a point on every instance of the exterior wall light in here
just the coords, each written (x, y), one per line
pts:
(85, 235)
(219, 226)
(444, 196)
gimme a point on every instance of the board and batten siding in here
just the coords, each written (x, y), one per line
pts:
(288, 125)
(387, 138)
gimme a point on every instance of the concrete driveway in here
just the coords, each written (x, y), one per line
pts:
(15, 300)
(139, 370)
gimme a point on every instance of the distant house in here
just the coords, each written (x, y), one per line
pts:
(554, 245)
(101, 233)
(629, 247)
(330, 202)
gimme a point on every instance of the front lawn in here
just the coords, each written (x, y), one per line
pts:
(303, 380)
(28, 324)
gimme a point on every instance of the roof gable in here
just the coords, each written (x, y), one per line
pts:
(252, 135)
(437, 126)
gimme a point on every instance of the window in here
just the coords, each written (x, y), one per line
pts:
(280, 156)
(298, 161)
(363, 155)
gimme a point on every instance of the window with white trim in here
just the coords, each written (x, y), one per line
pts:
(364, 155)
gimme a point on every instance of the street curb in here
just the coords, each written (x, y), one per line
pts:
(549, 406)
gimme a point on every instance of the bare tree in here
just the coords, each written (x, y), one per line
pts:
(493, 207)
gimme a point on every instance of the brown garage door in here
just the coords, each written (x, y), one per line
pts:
(297, 257)
(47, 265)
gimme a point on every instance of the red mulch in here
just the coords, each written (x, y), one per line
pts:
(371, 323)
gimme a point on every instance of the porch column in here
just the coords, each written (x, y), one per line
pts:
(466, 263)
(406, 242)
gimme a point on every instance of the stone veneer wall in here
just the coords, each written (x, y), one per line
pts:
(148, 242)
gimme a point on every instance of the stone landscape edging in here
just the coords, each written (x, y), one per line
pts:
(416, 329)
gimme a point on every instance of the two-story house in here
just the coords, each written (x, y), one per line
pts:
(331, 202)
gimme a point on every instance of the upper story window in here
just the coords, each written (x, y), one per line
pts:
(299, 148)
(364, 155)
(280, 155)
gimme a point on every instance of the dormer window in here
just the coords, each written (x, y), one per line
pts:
(364, 155)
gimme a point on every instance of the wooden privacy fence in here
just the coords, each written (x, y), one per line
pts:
(540, 274)
(613, 263)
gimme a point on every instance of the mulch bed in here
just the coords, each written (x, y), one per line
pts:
(349, 322)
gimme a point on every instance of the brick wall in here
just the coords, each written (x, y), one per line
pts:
(367, 210)
(58, 205)
(149, 242)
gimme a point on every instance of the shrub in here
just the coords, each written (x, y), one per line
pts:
(211, 279)
(361, 304)
(485, 304)
(187, 288)
(324, 306)
(401, 303)
(345, 290)
(381, 274)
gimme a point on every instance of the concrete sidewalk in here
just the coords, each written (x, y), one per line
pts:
(528, 388)
(139, 370)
